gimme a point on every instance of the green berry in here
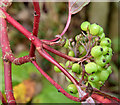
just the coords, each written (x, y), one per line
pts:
(90, 67)
(103, 76)
(102, 36)
(76, 68)
(99, 68)
(68, 64)
(109, 70)
(93, 84)
(66, 43)
(71, 53)
(82, 50)
(105, 50)
(72, 88)
(85, 25)
(96, 51)
(94, 29)
(101, 60)
(93, 78)
(108, 57)
(57, 69)
(110, 51)
(100, 31)
(105, 42)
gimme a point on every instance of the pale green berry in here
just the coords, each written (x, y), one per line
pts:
(71, 53)
(94, 29)
(72, 88)
(85, 25)
(90, 67)
(96, 51)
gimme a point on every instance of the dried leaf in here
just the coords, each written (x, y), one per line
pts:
(24, 92)
(77, 5)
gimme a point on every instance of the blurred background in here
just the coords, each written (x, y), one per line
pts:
(29, 85)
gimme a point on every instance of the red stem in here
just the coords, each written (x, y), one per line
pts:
(35, 26)
(18, 26)
(60, 53)
(8, 83)
(17, 61)
(7, 66)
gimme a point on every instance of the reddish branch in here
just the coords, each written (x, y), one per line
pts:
(7, 65)
(35, 26)
(17, 61)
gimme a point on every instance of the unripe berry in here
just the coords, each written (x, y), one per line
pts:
(85, 25)
(105, 50)
(99, 68)
(76, 68)
(108, 57)
(68, 64)
(72, 88)
(90, 67)
(96, 51)
(109, 70)
(100, 31)
(101, 60)
(101, 36)
(105, 42)
(71, 53)
(94, 29)
(104, 75)
(93, 78)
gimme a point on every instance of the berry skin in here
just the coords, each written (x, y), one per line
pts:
(105, 42)
(90, 67)
(76, 68)
(82, 50)
(110, 51)
(101, 60)
(93, 78)
(66, 43)
(99, 67)
(94, 29)
(100, 31)
(105, 50)
(108, 57)
(85, 25)
(57, 69)
(96, 51)
(109, 70)
(72, 88)
(103, 76)
(101, 36)
(71, 53)
(68, 64)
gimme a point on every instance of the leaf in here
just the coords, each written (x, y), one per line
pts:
(24, 91)
(77, 5)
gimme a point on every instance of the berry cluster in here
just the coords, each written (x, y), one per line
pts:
(95, 52)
